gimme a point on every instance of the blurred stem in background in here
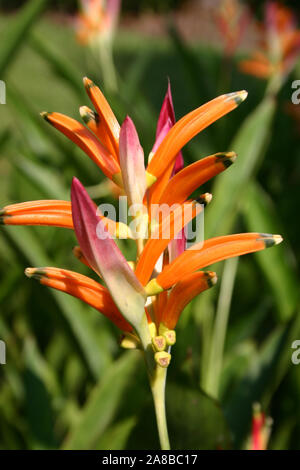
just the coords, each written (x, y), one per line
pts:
(215, 362)
(250, 144)
(108, 70)
(96, 25)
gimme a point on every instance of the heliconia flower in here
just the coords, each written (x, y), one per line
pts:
(261, 429)
(97, 18)
(232, 19)
(155, 288)
(280, 44)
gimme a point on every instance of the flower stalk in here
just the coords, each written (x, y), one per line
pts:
(108, 66)
(158, 385)
(157, 379)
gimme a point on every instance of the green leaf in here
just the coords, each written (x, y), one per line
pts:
(33, 129)
(102, 404)
(131, 85)
(59, 64)
(196, 421)
(115, 438)
(50, 183)
(260, 216)
(197, 78)
(229, 188)
(38, 381)
(15, 33)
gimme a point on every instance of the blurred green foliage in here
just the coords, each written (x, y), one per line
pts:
(66, 383)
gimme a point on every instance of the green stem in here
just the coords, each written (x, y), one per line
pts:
(107, 65)
(158, 385)
(274, 85)
(157, 378)
(220, 327)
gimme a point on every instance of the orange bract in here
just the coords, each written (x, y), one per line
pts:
(280, 44)
(190, 125)
(211, 252)
(182, 294)
(168, 228)
(190, 178)
(86, 141)
(82, 287)
(108, 121)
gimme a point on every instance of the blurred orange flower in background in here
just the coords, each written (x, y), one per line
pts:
(280, 44)
(97, 18)
(232, 19)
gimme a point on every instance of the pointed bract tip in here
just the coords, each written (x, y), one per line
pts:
(238, 96)
(277, 239)
(76, 186)
(271, 240)
(241, 96)
(85, 113)
(227, 158)
(88, 83)
(213, 280)
(205, 199)
(231, 157)
(31, 272)
(45, 115)
(128, 120)
(3, 216)
(76, 182)
(77, 252)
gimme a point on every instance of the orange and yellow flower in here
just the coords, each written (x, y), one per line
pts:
(97, 18)
(280, 44)
(152, 291)
(232, 19)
